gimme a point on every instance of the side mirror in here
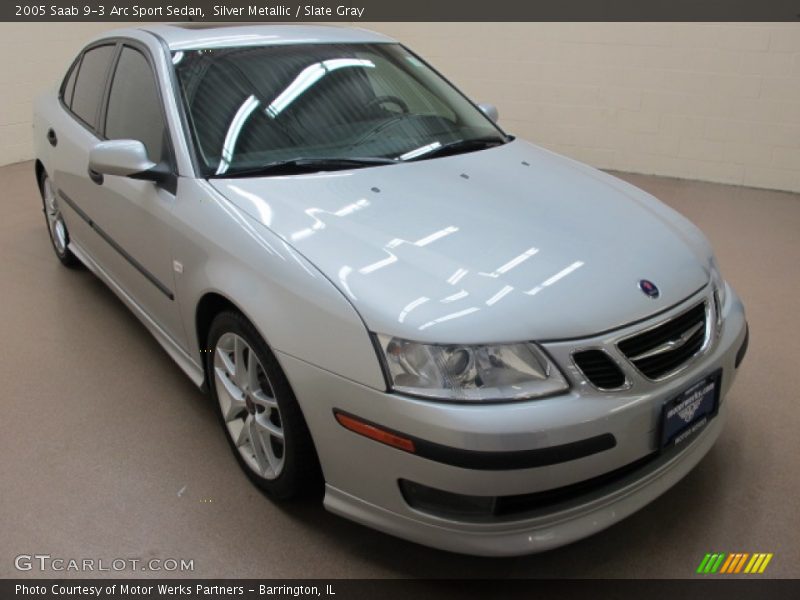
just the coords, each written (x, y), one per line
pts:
(125, 158)
(490, 110)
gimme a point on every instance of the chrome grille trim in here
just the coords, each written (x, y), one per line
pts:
(705, 325)
(562, 351)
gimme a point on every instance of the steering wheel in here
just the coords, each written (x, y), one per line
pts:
(388, 99)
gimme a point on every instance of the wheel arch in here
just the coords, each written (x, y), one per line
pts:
(208, 307)
(212, 303)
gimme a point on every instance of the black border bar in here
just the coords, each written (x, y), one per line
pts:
(744, 587)
(406, 10)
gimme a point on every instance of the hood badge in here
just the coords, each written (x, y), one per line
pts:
(649, 288)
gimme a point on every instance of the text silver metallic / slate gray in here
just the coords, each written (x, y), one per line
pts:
(466, 340)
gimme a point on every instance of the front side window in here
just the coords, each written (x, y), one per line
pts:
(250, 107)
(134, 105)
(90, 83)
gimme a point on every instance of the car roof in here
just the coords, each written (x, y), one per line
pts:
(187, 36)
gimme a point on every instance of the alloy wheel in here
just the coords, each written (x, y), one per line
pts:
(55, 222)
(248, 405)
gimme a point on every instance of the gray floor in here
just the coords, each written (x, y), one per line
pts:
(99, 432)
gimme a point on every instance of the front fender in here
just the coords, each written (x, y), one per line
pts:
(297, 310)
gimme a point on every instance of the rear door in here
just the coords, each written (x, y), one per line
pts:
(70, 138)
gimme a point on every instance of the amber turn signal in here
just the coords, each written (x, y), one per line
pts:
(374, 432)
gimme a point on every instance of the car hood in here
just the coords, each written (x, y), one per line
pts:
(506, 244)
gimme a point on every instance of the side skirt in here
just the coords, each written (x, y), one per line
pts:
(184, 361)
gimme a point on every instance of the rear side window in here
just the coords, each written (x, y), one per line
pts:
(69, 84)
(134, 105)
(90, 83)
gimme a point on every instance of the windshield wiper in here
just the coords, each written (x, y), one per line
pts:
(457, 147)
(308, 165)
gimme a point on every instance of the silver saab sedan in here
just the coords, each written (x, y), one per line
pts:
(467, 340)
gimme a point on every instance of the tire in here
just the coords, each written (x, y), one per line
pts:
(258, 410)
(56, 227)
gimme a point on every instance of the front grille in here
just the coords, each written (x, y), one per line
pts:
(659, 351)
(600, 369)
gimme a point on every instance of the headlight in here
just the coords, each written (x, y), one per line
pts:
(470, 373)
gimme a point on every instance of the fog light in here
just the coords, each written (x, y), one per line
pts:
(447, 504)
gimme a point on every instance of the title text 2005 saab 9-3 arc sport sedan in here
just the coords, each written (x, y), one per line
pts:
(469, 341)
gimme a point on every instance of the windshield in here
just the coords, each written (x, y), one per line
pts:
(249, 108)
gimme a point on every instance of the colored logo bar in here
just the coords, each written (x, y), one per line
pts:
(735, 562)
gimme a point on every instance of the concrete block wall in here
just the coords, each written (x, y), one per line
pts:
(710, 101)
(33, 57)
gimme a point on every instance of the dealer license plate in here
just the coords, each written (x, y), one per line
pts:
(691, 411)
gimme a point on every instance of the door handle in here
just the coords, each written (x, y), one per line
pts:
(51, 137)
(95, 176)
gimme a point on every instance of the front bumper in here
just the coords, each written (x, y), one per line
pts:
(362, 476)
